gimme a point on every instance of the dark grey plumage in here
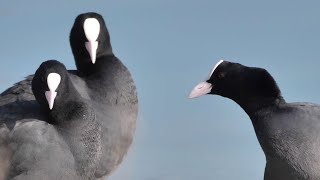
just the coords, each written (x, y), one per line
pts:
(289, 133)
(30, 148)
(106, 86)
(111, 91)
(71, 115)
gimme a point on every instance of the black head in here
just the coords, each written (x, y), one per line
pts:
(49, 84)
(239, 83)
(89, 39)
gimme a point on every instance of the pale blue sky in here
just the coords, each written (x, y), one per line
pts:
(169, 46)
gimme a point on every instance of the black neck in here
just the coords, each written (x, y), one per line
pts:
(64, 103)
(86, 67)
(254, 106)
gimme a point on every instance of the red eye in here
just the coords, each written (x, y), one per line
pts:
(221, 75)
